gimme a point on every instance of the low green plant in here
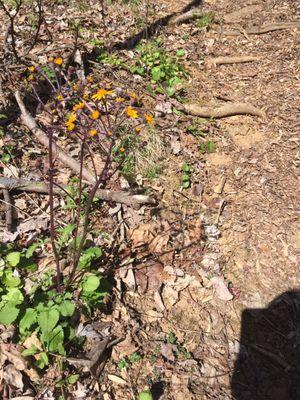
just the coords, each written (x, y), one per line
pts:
(207, 147)
(7, 154)
(127, 362)
(205, 20)
(186, 176)
(164, 71)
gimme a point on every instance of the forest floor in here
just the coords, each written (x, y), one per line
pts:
(203, 255)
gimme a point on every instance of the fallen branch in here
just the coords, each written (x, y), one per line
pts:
(25, 185)
(231, 60)
(262, 29)
(226, 110)
(192, 14)
(31, 124)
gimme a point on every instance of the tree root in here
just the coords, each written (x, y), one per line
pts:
(262, 29)
(192, 14)
(230, 60)
(25, 185)
(226, 110)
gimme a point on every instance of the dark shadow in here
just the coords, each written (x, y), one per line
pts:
(151, 29)
(268, 365)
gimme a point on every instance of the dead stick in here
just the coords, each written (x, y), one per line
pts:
(8, 209)
(226, 110)
(40, 187)
(231, 60)
(263, 29)
(31, 124)
(192, 14)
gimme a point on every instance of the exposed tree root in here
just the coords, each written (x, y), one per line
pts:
(226, 110)
(259, 30)
(231, 60)
(40, 187)
(192, 14)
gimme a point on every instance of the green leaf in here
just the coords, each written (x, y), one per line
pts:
(146, 395)
(54, 340)
(8, 314)
(211, 147)
(13, 258)
(91, 283)
(66, 308)
(31, 249)
(88, 256)
(185, 178)
(11, 281)
(186, 168)
(186, 184)
(43, 361)
(14, 296)
(47, 320)
(72, 379)
(157, 73)
(30, 352)
(180, 53)
(28, 320)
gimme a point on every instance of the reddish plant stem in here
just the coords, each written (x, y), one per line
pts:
(51, 205)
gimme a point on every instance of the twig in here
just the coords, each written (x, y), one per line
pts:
(231, 60)
(226, 110)
(8, 210)
(11, 17)
(263, 28)
(107, 195)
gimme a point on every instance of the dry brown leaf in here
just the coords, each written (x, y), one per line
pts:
(12, 354)
(13, 377)
(126, 347)
(33, 341)
(116, 379)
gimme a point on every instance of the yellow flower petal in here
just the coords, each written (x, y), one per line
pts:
(92, 132)
(78, 106)
(70, 126)
(72, 118)
(31, 77)
(101, 94)
(131, 112)
(95, 114)
(120, 99)
(31, 69)
(60, 97)
(149, 119)
(58, 61)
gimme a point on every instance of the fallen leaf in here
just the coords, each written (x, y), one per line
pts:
(126, 347)
(12, 354)
(167, 351)
(116, 379)
(33, 341)
(221, 288)
(13, 377)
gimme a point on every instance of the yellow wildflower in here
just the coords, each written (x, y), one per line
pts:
(90, 79)
(131, 112)
(60, 97)
(85, 96)
(75, 87)
(149, 119)
(70, 123)
(31, 77)
(120, 99)
(92, 132)
(31, 69)
(101, 94)
(122, 150)
(95, 114)
(133, 95)
(58, 61)
(138, 129)
(78, 106)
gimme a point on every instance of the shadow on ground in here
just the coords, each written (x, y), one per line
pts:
(268, 365)
(151, 29)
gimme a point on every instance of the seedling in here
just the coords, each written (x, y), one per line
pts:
(187, 171)
(207, 147)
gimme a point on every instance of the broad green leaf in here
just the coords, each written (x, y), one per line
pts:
(47, 320)
(8, 314)
(66, 308)
(10, 280)
(186, 184)
(14, 296)
(185, 178)
(28, 320)
(31, 249)
(30, 352)
(88, 256)
(13, 258)
(91, 283)
(54, 340)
